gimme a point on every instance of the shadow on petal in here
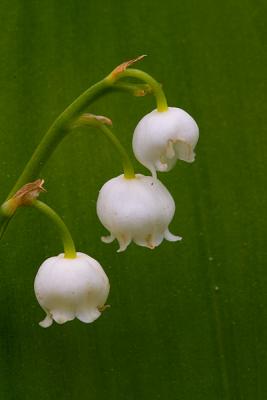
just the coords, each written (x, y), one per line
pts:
(62, 316)
(88, 316)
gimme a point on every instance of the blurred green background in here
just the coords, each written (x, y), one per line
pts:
(188, 320)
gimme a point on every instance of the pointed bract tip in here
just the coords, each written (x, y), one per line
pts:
(122, 67)
(30, 190)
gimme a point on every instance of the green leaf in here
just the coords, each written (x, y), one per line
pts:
(188, 319)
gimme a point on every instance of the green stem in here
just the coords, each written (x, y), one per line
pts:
(60, 128)
(94, 121)
(157, 90)
(136, 89)
(127, 165)
(58, 131)
(69, 247)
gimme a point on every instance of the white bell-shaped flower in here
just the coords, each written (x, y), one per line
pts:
(71, 287)
(138, 209)
(161, 138)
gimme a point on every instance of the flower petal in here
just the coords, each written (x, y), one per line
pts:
(161, 165)
(124, 241)
(63, 285)
(62, 316)
(161, 137)
(170, 152)
(184, 151)
(107, 239)
(88, 316)
(138, 209)
(45, 323)
(172, 238)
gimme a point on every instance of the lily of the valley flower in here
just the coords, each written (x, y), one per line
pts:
(138, 209)
(161, 138)
(71, 287)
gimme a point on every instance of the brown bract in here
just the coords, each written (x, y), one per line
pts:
(23, 197)
(29, 192)
(122, 67)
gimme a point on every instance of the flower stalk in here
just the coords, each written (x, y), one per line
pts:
(63, 124)
(68, 244)
(102, 123)
(27, 196)
(61, 127)
(122, 71)
(157, 90)
(58, 131)
(126, 162)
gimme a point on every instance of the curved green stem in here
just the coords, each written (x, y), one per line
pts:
(127, 165)
(136, 89)
(157, 90)
(101, 123)
(58, 131)
(69, 247)
(60, 128)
